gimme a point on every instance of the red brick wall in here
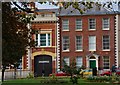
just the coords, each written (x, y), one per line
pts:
(39, 26)
(85, 34)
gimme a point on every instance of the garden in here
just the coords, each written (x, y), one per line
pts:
(66, 80)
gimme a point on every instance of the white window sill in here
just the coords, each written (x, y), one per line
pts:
(78, 50)
(42, 46)
(105, 29)
(78, 30)
(65, 30)
(92, 50)
(106, 50)
(65, 51)
(92, 29)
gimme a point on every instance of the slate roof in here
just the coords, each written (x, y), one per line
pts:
(47, 10)
(70, 11)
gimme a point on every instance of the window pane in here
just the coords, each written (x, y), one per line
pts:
(106, 42)
(78, 42)
(105, 23)
(66, 59)
(78, 24)
(92, 24)
(106, 62)
(48, 39)
(42, 39)
(78, 61)
(92, 43)
(65, 43)
(45, 39)
(65, 24)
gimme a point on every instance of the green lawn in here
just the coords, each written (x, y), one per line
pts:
(37, 81)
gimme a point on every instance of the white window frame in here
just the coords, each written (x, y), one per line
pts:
(104, 23)
(63, 29)
(38, 41)
(103, 45)
(92, 43)
(80, 43)
(64, 43)
(80, 63)
(89, 24)
(105, 62)
(80, 25)
(67, 60)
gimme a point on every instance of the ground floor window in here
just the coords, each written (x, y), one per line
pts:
(67, 60)
(78, 61)
(106, 62)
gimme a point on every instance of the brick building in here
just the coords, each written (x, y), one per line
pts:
(43, 55)
(91, 39)
(87, 38)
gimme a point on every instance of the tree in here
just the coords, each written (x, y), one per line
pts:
(72, 70)
(15, 32)
(14, 37)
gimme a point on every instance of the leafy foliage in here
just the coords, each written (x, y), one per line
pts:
(72, 71)
(14, 36)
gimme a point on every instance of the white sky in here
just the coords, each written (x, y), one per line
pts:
(45, 6)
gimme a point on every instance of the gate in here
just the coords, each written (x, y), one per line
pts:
(42, 65)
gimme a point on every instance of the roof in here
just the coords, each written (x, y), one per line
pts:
(47, 10)
(70, 11)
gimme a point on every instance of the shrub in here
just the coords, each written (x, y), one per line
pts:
(30, 75)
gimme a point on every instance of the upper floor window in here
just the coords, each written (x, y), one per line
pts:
(106, 62)
(43, 40)
(65, 43)
(65, 25)
(78, 24)
(79, 61)
(105, 24)
(92, 43)
(78, 43)
(92, 24)
(106, 42)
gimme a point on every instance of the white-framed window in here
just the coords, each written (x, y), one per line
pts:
(65, 25)
(92, 43)
(92, 24)
(78, 43)
(43, 40)
(106, 62)
(78, 24)
(79, 61)
(105, 24)
(65, 43)
(106, 42)
(67, 60)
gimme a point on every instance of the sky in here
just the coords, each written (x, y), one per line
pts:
(48, 6)
(45, 6)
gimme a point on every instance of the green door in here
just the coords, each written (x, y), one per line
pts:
(92, 63)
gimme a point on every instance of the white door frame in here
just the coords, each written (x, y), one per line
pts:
(88, 60)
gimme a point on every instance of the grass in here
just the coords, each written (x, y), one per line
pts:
(37, 81)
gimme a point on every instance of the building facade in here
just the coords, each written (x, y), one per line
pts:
(43, 55)
(88, 39)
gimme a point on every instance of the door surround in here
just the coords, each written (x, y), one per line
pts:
(90, 57)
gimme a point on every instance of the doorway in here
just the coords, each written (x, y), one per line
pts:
(92, 63)
(42, 65)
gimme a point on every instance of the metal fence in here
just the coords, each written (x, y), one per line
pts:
(10, 74)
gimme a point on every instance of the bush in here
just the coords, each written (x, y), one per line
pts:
(30, 75)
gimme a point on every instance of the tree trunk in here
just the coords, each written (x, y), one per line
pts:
(15, 72)
(3, 71)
